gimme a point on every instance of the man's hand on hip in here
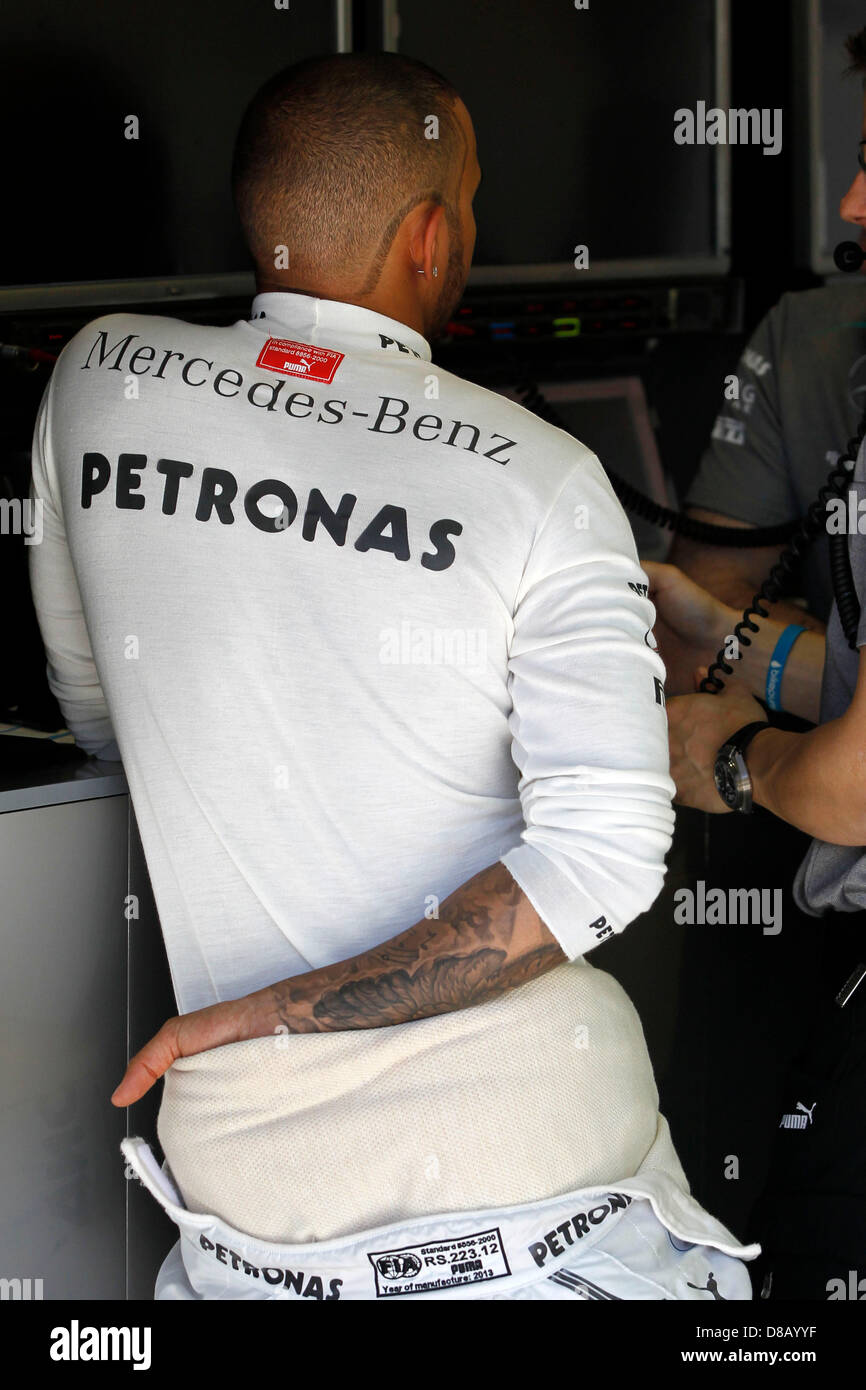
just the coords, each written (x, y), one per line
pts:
(236, 1020)
(487, 939)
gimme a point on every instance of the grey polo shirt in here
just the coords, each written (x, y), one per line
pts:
(802, 384)
(834, 876)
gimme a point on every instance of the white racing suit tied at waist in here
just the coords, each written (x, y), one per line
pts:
(480, 1254)
(436, 1157)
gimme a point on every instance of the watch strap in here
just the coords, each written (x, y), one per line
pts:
(743, 737)
(736, 744)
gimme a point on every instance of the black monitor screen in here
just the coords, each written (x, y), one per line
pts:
(84, 201)
(574, 117)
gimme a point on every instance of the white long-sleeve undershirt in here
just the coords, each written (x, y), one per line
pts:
(356, 638)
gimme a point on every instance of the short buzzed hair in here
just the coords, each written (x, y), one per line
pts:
(333, 153)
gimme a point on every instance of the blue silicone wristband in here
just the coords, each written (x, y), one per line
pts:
(781, 652)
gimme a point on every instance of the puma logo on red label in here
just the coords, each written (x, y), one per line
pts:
(289, 358)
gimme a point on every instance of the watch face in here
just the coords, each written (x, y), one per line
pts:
(725, 776)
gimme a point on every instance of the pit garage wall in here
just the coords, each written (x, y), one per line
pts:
(79, 985)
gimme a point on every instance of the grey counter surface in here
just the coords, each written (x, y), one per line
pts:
(36, 772)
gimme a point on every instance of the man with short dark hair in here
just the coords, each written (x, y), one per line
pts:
(301, 148)
(393, 725)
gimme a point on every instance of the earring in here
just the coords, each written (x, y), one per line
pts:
(435, 270)
(420, 269)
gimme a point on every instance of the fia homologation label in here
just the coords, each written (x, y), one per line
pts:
(439, 1264)
(289, 358)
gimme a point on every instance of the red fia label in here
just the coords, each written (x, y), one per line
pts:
(302, 360)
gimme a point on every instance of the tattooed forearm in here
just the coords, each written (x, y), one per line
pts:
(437, 987)
(488, 939)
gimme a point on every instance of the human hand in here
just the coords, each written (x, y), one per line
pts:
(698, 725)
(236, 1020)
(690, 625)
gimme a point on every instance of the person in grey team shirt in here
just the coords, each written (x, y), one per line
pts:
(803, 389)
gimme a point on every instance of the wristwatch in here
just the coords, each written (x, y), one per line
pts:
(730, 773)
